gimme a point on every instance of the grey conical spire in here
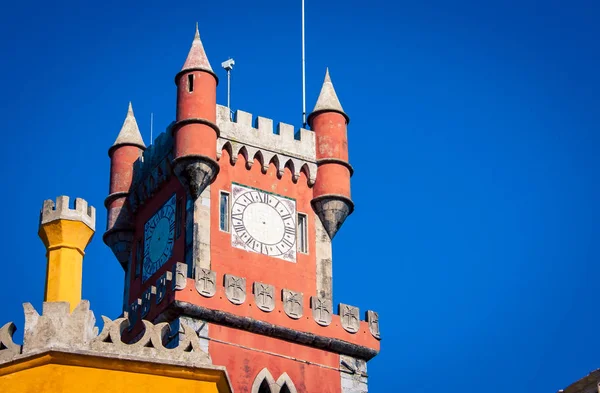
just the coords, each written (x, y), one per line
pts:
(197, 59)
(328, 100)
(130, 133)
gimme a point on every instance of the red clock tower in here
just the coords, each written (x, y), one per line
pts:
(224, 225)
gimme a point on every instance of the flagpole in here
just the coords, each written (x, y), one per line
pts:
(151, 126)
(303, 73)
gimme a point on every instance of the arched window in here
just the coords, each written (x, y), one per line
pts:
(284, 389)
(264, 387)
(265, 383)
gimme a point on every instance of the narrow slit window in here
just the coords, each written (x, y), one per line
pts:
(190, 83)
(302, 233)
(224, 212)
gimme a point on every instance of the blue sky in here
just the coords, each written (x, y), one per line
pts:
(474, 136)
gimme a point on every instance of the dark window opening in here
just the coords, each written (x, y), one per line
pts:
(302, 233)
(224, 212)
(284, 389)
(264, 387)
(190, 83)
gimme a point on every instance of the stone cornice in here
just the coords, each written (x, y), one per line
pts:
(264, 328)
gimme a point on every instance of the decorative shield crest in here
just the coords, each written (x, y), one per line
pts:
(321, 310)
(180, 271)
(147, 300)
(235, 289)
(264, 296)
(134, 313)
(373, 320)
(206, 282)
(161, 286)
(349, 317)
(292, 303)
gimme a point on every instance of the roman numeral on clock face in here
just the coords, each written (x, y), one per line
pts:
(263, 222)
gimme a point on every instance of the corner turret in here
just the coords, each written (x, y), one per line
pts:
(66, 233)
(331, 198)
(195, 132)
(123, 153)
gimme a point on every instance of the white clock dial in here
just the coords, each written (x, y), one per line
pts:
(264, 223)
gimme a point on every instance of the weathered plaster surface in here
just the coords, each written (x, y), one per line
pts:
(324, 261)
(354, 374)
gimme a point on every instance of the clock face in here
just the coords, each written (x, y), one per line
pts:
(159, 236)
(264, 223)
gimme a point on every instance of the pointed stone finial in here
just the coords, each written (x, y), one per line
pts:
(196, 59)
(328, 100)
(130, 133)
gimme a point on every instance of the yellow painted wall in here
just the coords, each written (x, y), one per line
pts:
(65, 241)
(70, 373)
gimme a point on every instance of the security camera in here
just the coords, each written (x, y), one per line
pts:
(228, 64)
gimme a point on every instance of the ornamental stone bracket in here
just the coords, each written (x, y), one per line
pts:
(147, 296)
(372, 319)
(321, 310)
(235, 288)
(161, 286)
(292, 303)
(180, 272)
(264, 296)
(206, 282)
(59, 330)
(349, 317)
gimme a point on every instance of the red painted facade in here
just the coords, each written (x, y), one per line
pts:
(299, 276)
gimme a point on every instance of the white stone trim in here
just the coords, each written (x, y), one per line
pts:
(282, 149)
(323, 255)
(274, 386)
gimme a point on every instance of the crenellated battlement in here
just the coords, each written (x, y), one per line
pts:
(152, 169)
(58, 329)
(60, 210)
(257, 140)
(262, 308)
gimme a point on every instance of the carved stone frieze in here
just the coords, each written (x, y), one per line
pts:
(206, 282)
(321, 310)
(235, 288)
(264, 296)
(349, 317)
(8, 349)
(150, 345)
(59, 329)
(292, 303)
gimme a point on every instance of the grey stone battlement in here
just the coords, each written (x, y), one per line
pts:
(153, 155)
(60, 210)
(152, 168)
(57, 329)
(259, 141)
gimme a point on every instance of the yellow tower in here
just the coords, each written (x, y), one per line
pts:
(66, 233)
(62, 350)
